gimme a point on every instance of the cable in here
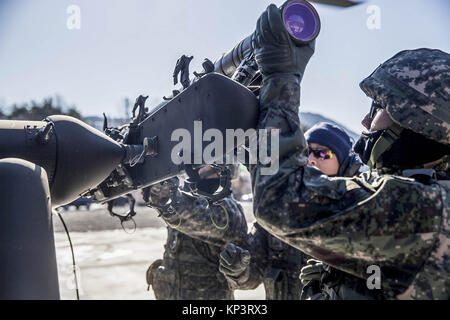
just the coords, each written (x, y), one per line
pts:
(71, 250)
(135, 160)
(226, 214)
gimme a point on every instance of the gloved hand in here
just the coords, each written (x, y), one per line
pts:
(275, 52)
(159, 194)
(312, 271)
(234, 260)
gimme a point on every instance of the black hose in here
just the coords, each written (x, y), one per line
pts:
(73, 256)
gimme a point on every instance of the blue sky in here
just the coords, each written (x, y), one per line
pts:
(127, 48)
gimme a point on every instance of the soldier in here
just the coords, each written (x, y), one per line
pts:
(197, 232)
(329, 150)
(277, 264)
(396, 222)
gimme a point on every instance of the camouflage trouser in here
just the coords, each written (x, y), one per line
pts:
(188, 271)
(167, 285)
(281, 276)
(162, 281)
(282, 285)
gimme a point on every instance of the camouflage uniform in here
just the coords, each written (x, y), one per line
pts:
(331, 283)
(273, 263)
(188, 271)
(197, 231)
(394, 222)
(277, 264)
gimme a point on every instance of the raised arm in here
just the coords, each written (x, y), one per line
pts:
(216, 224)
(348, 223)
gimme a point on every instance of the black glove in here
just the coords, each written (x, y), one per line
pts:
(234, 260)
(275, 52)
(312, 271)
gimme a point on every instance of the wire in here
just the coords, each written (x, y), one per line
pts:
(135, 160)
(73, 256)
(226, 214)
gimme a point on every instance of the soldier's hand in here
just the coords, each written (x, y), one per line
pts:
(275, 52)
(234, 260)
(159, 194)
(312, 271)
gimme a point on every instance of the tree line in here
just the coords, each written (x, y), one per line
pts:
(38, 111)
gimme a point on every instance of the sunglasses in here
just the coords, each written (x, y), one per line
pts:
(321, 153)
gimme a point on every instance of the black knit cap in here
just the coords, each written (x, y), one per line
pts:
(331, 136)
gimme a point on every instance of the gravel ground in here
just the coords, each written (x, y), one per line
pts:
(112, 263)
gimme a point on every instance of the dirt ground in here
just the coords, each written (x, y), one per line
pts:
(111, 263)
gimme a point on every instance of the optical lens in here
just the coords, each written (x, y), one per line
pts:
(301, 21)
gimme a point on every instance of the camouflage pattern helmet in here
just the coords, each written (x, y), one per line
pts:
(414, 88)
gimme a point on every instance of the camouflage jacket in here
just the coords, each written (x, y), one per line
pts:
(197, 233)
(277, 264)
(395, 223)
(216, 224)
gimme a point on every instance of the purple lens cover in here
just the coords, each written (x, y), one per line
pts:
(301, 20)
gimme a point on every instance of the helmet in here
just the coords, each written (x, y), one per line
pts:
(414, 88)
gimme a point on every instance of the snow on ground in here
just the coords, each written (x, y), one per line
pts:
(111, 263)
